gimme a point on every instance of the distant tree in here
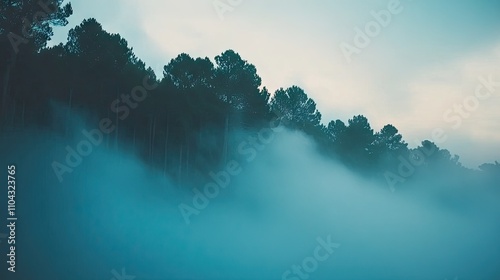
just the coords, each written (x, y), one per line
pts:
(295, 107)
(103, 52)
(492, 170)
(185, 72)
(434, 157)
(490, 167)
(106, 59)
(337, 129)
(29, 23)
(192, 97)
(389, 139)
(388, 145)
(237, 83)
(354, 142)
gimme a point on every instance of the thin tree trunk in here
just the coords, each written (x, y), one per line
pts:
(117, 123)
(180, 166)
(68, 119)
(187, 161)
(149, 140)
(165, 152)
(107, 135)
(153, 137)
(6, 82)
(5, 89)
(226, 132)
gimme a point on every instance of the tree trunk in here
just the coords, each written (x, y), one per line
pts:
(166, 152)
(153, 135)
(68, 116)
(6, 103)
(180, 167)
(226, 136)
(117, 122)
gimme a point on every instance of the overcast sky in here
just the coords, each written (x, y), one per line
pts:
(428, 56)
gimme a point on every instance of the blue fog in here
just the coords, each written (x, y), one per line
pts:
(113, 212)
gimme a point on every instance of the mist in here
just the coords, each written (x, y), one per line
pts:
(116, 217)
(147, 145)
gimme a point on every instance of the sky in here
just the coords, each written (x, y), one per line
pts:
(418, 68)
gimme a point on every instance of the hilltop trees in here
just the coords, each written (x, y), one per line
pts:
(184, 125)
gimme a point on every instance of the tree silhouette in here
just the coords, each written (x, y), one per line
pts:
(296, 109)
(357, 140)
(25, 27)
(388, 145)
(185, 72)
(237, 83)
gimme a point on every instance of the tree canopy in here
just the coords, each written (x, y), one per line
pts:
(184, 124)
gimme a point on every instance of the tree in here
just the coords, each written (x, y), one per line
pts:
(389, 139)
(102, 52)
(30, 22)
(388, 145)
(296, 109)
(490, 167)
(25, 27)
(492, 170)
(106, 59)
(185, 72)
(336, 130)
(237, 83)
(353, 142)
(434, 157)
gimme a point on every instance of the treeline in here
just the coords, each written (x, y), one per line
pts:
(193, 118)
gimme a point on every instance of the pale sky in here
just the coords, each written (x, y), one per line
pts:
(428, 56)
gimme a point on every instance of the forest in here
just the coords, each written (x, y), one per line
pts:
(193, 117)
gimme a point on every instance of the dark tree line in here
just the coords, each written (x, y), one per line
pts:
(190, 122)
